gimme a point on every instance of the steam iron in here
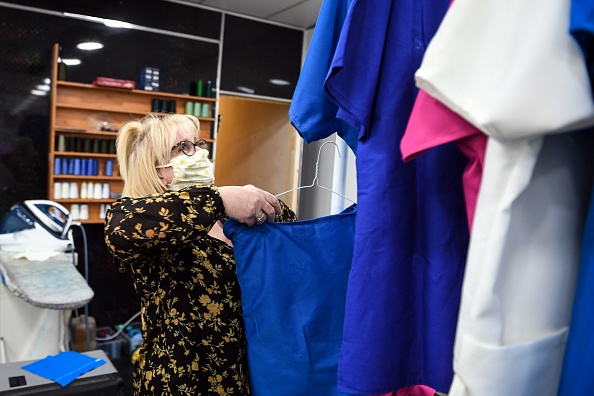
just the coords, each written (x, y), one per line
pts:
(36, 226)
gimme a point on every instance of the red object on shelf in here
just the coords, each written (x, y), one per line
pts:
(114, 82)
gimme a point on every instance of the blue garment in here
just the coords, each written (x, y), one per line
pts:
(293, 279)
(578, 364)
(311, 113)
(581, 26)
(411, 233)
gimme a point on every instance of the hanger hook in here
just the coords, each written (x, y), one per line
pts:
(315, 179)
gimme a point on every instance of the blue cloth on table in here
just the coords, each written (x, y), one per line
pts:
(64, 367)
(293, 279)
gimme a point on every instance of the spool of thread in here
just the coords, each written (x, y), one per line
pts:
(208, 90)
(190, 108)
(172, 106)
(57, 166)
(105, 192)
(96, 146)
(205, 110)
(164, 106)
(97, 191)
(65, 189)
(71, 166)
(84, 167)
(102, 210)
(109, 168)
(87, 147)
(197, 109)
(84, 212)
(94, 167)
(64, 166)
(104, 146)
(83, 190)
(78, 145)
(57, 190)
(156, 106)
(73, 190)
(61, 143)
(199, 88)
(75, 211)
(90, 189)
(77, 166)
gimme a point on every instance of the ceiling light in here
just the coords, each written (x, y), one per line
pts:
(38, 92)
(276, 81)
(246, 90)
(46, 81)
(117, 24)
(89, 46)
(71, 62)
(43, 87)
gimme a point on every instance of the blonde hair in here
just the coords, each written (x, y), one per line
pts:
(143, 144)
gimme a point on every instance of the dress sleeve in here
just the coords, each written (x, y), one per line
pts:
(137, 226)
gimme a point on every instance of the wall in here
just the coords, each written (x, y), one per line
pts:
(182, 47)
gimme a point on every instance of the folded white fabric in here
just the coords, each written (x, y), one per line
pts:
(509, 67)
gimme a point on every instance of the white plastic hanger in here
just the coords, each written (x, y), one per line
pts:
(315, 182)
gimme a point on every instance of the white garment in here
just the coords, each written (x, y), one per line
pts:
(522, 267)
(510, 67)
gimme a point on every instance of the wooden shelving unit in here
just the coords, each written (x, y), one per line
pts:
(76, 115)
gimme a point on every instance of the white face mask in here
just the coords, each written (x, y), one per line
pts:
(191, 170)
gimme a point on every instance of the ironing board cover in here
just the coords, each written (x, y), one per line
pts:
(54, 283)
(293, 279)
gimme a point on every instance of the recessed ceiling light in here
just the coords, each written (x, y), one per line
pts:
(246, 90)
(38, 92)
(277, 81)
(89, 46)
(71, 62)
(43, 87)
(117, 24)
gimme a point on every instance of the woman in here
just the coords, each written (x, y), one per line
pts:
(166, 229)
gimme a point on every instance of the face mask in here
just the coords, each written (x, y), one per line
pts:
(190, 171)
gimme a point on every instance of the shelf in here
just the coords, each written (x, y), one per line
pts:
(86, 132)
(153, 94)
(82, 154)
(89, 178)
(83, 201)
(78, 108)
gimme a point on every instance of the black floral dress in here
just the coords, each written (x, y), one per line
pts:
(190, 299)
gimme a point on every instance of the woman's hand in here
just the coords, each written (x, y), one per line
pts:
(249, 205)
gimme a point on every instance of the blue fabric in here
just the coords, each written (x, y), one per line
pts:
(64, 367)
(578, 364)
(293, 279)
(581, 26)
(411, 234)
(312, 114)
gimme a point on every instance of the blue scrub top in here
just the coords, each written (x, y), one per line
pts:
(312, 114)
(293, 279)
(411, 234)
(581, 26)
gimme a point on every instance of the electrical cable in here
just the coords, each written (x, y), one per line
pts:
(117, 333)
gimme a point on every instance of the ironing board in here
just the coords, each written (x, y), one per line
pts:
(54, 283)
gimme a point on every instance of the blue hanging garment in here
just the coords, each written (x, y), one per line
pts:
(293, 279)
(579, 353)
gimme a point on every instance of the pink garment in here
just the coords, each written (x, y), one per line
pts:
(415, 390)
(431, 124)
